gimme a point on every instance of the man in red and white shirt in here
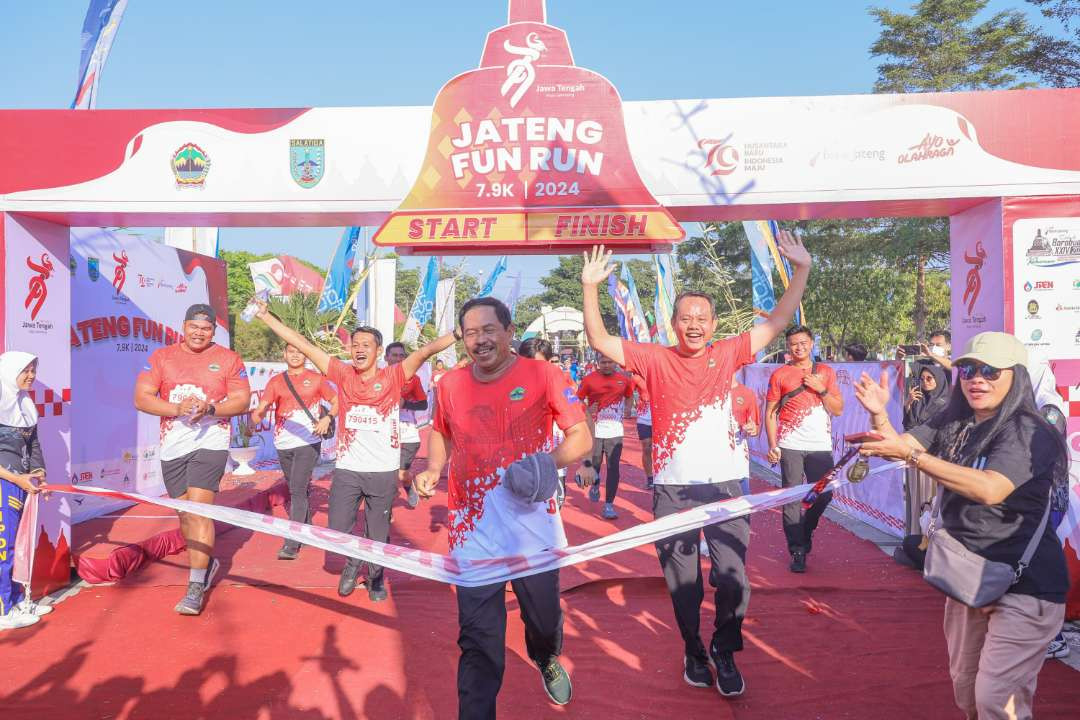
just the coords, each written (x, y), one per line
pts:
(747, 414)
(368, 437)
(194, 386)
(298, 435)
(802, 398)
(695, 451)
(413, 398)
(605, 394)
(494, 419)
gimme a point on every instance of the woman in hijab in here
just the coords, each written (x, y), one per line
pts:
(928, 398)
(22, 467)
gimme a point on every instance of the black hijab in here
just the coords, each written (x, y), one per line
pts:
(933, 401)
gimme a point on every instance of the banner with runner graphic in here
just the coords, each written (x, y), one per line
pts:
(878, 500)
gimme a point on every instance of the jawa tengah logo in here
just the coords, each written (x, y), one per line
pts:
(520, 73)
(37, 290)
(974, 276)
(120, 272)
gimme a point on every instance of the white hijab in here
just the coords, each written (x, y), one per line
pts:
(16, 407)
(1043, 382)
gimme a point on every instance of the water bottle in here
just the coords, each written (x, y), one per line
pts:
(248, 313)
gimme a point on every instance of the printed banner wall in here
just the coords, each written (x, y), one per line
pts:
(128, 299)
(37, 307)
(978, 272)
(879, 499)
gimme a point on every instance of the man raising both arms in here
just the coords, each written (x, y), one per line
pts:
(369, 449)
(696, 457)
(801, 398)
(606, 393)
(493, 421)
(194, 386)
(413, 398)
(298, 435)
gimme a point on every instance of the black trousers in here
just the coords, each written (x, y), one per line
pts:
(681, 566)
(377, 491)
(612, 449)
(297, 465)
(482, 636)
(799, 527)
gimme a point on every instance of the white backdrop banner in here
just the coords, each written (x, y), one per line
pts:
(878, 500)
(128, 299)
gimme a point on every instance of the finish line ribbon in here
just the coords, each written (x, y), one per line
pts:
(475, 572)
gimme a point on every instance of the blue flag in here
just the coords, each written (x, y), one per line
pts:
(339, 274)
(99, 29)
(423, 305)
(489, 285)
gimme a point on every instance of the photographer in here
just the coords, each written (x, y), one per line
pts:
(996, 461)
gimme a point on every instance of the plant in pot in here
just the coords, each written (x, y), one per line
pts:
(245, 444)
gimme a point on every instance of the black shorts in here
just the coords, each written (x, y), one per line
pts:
(644, 431)
(198, 469)
(408, 454)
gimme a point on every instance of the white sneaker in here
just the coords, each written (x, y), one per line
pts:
(32, 608)
(15, 619)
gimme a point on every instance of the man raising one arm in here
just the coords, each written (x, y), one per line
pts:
(696, 458)
(369, 449)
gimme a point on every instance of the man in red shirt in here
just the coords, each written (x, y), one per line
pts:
(801, 398)
(747, 414)
(369, 445)
(695, 452)
(299, 429)
(605, 394)
(194, 386)
(494, 422)
(644, 429)
(413, 398)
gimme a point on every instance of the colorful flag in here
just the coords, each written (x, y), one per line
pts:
(98, 32)
(423, 304)
(764, 256)
(664, 299)
(446, 318)
(283, 276)
(339, 274)
(489, 285)
(513, 294)
(632, 323)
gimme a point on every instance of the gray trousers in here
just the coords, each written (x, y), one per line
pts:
(297, 465)
(799, 526)
(681, 566)
(377, 491)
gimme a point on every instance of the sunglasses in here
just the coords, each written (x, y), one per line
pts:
(968, 371)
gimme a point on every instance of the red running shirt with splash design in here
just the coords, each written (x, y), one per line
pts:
(745, 409)
(412, 392)
(209, 375)
(292, 426)
(368, 439)
(489, 426)
(607, 393)
(694, 434)
(803, 423)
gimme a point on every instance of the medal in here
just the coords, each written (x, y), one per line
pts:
(858, 470)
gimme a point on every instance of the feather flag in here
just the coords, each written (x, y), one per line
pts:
(513, 294)
(339, 274)
(489, 284)
(98, 32)
(764, 256)
(423, 305)
(632, 323)
(664, 299)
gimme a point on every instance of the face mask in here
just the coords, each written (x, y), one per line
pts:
(937, 350)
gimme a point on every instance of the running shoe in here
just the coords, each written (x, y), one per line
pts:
(696, 671)
(1058, 647)
(347, 583)
(556, 682)
(15, 620)
(594, 492)
(608, 512)
(412, 498)
(798, 562)
(289, 551)
(377, 591)
(729, 681)
(192, 602)
(32, 608)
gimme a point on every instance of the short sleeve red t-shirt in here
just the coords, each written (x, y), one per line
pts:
(694, 432)
(412, 392)
(368, 436)
(209, 375)
(803, 423)
(292, 426)
(744, 406)
(606, 393)
(491, 425)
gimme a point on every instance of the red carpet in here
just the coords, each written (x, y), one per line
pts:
(856, 637)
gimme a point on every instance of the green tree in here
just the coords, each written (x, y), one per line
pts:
(1056, 60)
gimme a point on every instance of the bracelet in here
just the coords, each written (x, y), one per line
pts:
(914, 456)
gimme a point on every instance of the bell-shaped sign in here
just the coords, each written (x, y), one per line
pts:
(528, 154)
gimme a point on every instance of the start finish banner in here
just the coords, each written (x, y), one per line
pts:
(526, 152)
(879, 499)
(128, 297)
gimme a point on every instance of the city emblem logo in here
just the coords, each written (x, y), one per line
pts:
(93, 268)
(73, 265)
(190, 166)
(307, 161)
(1032, 307)
(517, 393)
(1036, 334)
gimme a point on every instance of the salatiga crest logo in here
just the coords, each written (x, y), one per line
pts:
(520, 73)
(307, 161)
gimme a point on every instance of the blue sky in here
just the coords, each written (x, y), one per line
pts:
(268, 53)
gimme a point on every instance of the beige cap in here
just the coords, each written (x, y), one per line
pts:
(996, 349)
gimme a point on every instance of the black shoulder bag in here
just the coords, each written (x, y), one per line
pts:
(292, 388)
(786, 397)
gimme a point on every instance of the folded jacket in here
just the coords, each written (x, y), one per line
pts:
(533, 478)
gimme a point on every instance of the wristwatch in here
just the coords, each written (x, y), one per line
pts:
(914, 456)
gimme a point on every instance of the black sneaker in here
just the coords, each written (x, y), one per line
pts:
(412, 498)
(696, 671)
(556, 682)
(347, 583)
(376, 591)
(798, 562)
(290, 551)
(729, 681)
